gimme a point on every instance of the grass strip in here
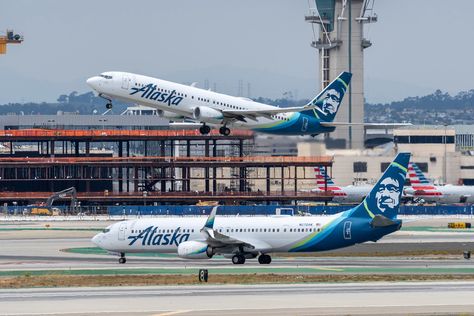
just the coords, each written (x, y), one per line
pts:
(135, 280)
(307, 270)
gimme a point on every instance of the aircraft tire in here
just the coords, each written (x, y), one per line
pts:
(108, 106)
(224, 131)
(204, 130)
(238, 259)
(264, 259)
(122, 260)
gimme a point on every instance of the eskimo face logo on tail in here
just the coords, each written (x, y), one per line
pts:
(328, 105)
(331, 102)
(388, 194)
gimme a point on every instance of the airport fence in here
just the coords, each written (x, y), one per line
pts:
(136, 210)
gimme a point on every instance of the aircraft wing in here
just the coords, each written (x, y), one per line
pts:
(217, 239)
(368, 125)
(241, 115)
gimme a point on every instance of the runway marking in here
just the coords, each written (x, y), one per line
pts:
(172, 313)
(327, 269)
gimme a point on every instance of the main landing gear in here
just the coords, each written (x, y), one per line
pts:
(264, 259)
(122, 258)
(109, 101)
(204, 129)
(238, 259)
(224, 130)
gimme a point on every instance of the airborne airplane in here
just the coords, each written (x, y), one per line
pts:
(241, 238)
(177, 101)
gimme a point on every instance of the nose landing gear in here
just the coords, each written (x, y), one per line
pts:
(109, 103)
(122, 258)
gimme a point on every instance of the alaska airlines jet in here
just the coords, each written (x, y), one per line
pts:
(423, 188)
(177, 101)
(350, 194)
(241, 238)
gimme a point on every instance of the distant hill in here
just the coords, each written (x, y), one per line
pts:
(435, 108)
(85, 103)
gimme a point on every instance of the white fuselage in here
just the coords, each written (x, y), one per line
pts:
(445, 194)
(268, 233)
(177, 99)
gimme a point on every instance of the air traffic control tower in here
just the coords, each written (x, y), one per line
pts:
(339, 25)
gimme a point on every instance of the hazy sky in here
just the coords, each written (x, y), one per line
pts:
(418, 46)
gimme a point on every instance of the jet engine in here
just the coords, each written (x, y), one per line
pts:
(206, 114)
(195, 250)
(169, 115)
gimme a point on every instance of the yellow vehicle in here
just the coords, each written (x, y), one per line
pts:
(41, 211)
(207, 203)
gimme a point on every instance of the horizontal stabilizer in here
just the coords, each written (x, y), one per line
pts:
(382, 221)
(367, 125)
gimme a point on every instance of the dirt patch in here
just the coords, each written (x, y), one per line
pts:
(137, 280)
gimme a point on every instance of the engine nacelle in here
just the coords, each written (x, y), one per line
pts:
(207, 114)
(195, 250)
(168, 114)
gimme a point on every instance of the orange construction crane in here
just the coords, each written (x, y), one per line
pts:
(10, 38)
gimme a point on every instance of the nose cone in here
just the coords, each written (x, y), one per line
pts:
(97, 240)
(94, 82)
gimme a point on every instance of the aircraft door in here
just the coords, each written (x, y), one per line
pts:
(125, 82)
(122, 230)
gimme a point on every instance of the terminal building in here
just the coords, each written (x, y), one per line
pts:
(444, 153)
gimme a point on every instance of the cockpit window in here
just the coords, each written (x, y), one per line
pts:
(105, 76)
(106, 230)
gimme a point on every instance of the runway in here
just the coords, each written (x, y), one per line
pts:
(64, 248)
(287, 299)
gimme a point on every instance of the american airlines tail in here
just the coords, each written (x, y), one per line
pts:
(327, 102)
(322, 178)
(417, 177)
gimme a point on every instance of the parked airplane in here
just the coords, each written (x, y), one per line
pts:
(351, 194)
(423, 188)
(241, 238)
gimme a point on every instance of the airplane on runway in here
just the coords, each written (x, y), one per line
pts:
(423, 188)
(241, 238)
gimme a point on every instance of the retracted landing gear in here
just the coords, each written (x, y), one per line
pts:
(238, 259)
(204, 129)
(264, 259)
(224, 130)
(122, 258)
(109, 101)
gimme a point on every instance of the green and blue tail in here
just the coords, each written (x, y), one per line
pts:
(384, 198)
(327, 102)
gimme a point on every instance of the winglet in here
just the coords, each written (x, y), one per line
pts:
(211, 218)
